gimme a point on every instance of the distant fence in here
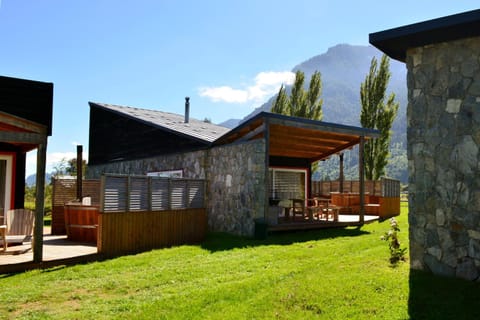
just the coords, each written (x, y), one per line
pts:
(122, 193)
(140, 213)
(64, 191)
(383, 187)
(382, 197)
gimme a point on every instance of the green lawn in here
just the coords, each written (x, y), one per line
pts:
(326, 274)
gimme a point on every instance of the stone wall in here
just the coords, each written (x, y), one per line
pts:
(192, 164)
(443, 152)
(235, 177)
(236, 187)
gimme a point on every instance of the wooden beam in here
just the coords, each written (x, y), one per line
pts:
(299, 146)
(341, 177)
(336, 150)
(39, 203)
(361, 176)
(312, 138)
(323, 126)
(311, 135)
(267, 168)
(22, 137)
(22, 123)
(252, 134)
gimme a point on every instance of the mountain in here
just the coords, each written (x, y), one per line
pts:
(32, 179)
(343, 68)
(230, 123)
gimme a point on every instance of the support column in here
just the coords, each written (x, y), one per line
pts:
(39, 202)
(341, 177)
(361, 178)
(267, 166)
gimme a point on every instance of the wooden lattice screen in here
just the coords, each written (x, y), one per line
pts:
(122, 193)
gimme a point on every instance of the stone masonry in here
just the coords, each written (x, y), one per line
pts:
(235, 177)
(443, 152)
(236, 187)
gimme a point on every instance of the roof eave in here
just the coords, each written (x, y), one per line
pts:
(395, 42)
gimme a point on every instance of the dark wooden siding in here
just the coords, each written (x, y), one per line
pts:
(20, 180)
(289, 162)
(117, 138)
(27, 99)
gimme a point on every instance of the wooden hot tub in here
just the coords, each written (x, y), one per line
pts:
(81, 222)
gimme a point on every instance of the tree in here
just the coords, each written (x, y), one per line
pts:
(68, 168)
(378, 112)
(301, 103)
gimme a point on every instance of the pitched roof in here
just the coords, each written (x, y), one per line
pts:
(395, 42)
(200, 130)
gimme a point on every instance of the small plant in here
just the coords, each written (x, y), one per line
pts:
(396, 252)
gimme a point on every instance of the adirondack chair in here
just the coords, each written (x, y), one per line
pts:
(18, 226)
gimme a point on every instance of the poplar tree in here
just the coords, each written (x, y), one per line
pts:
(301, 103)
(378, 112)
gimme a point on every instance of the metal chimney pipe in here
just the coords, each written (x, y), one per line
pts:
(187, 109)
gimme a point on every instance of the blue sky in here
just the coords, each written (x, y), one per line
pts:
(228, 56)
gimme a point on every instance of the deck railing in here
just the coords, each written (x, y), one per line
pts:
(384, 187)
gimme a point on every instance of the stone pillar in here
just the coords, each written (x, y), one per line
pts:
(443, 156)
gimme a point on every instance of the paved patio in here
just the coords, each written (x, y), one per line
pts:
(54, 248)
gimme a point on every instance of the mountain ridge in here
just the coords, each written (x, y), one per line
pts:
(343, 68)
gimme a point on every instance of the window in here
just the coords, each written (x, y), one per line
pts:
(288, 183)
(167, 174)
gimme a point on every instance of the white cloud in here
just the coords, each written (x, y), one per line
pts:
(265, 84)
(224, 93)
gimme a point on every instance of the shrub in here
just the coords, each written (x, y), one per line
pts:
(397, 253)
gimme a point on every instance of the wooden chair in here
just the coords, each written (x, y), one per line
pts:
(19, 225)
(298, 207)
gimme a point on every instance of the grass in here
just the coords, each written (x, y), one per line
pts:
(326, 274)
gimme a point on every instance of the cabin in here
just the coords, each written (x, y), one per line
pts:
(442, 57)
(257, 174)
(25, 124)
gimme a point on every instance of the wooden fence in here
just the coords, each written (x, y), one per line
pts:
(125, 232)
(139, 213)
(383, 187)
(382, 197)
(64, 191)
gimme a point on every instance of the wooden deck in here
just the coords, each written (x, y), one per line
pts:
(344, 220)
(57, 250)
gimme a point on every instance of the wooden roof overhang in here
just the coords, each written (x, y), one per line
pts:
(22, 133)
(395, 42)
(294, 137)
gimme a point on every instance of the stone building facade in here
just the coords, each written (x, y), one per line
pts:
(443, 151)
(442, 57)
(235, 176)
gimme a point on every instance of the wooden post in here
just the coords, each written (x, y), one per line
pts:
(267, 165)
(79, 172)
(39, 202)
(341, 178)
(361, 177)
